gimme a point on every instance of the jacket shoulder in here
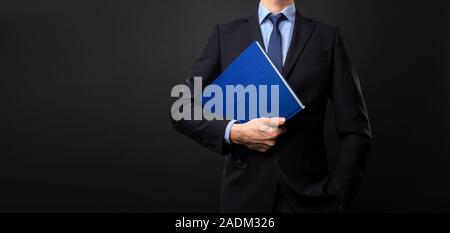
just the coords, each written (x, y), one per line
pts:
(231, 26)
(324, 31)
(321, 26)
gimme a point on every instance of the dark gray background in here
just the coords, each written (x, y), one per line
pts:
(84, 102)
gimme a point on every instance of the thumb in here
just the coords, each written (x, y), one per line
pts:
(276, 121)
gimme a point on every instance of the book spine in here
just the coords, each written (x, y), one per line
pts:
(281, 77)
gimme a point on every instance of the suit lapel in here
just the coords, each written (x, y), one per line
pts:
(302, 31)
(252, 31)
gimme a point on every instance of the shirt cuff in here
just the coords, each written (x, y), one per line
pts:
(228, 130)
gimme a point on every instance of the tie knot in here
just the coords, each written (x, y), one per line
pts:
(276, 19)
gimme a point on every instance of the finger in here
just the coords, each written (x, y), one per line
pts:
(264, 120)
(273, 135)
(271, 124)
(269, 143)
(276, 122)
(267, 128)
(264, 147)
(259, 148)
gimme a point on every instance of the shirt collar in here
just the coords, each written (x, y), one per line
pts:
(263, 12)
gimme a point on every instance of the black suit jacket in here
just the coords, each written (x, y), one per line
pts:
(318, 69)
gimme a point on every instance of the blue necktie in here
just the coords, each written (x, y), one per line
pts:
(274, 51)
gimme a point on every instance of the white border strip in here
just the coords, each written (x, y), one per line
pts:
(281, 77)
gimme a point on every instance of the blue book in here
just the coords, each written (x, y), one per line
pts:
(253, 67)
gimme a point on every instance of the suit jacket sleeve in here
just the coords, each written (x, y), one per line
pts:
(207, 133)
(352, 124)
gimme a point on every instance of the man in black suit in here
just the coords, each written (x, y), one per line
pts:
(286, 169)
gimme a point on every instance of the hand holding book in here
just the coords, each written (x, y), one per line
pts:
(259, 134)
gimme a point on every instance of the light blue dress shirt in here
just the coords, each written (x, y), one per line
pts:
(286, 28)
